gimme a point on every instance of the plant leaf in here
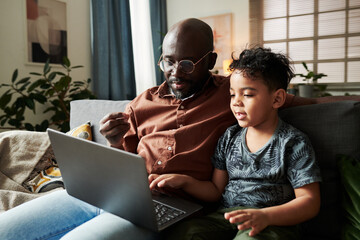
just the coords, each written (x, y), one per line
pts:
(35, 73)
(66, 61)
(78, 66)
(14, 76)
(5, 99)
(52, 76)
(47, 67)
(30, 103)
(29, 127)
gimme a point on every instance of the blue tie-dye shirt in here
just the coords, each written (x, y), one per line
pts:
(269, 176)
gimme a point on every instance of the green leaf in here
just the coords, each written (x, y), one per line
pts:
(305, 66)
(49, 109)
(5, 85)
(45, 86)
(66, 61)
(89, 80)
(14, 122)
(24, 80)
(35, 73)
(35, 85)
(14, 76)
(61, 73)
(3, 122)
(24, 86)
(45, 124)
(29, 127)
(5, 99)
(50, 92)
(78, 66)
(30, 103)
(52, 76)
(40, 98)
(47, 67)
(62, 83)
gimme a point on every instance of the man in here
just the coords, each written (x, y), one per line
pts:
(174, 127)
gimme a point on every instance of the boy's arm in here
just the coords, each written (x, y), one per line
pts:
(306, 205)
(209, 191)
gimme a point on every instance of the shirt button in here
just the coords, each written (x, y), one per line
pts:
(169, 148)
(182, 107)
(159, 162)
(181, 125)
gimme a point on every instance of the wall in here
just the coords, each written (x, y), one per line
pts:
(13, 37)
(178, 10)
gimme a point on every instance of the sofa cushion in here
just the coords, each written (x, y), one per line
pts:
(349, 168)
(333, 128)
(93, 111)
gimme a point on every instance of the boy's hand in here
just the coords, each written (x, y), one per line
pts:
(249, 218)
(114, 126)
(167, 180)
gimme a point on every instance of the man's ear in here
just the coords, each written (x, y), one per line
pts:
(279, 98)
(212, 60)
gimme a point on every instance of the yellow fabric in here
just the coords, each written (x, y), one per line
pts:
(82, 131)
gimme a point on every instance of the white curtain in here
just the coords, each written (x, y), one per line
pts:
(142, 45)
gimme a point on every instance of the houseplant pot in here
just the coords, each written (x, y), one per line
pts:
(306, 90)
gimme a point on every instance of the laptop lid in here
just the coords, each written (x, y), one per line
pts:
(111, 179)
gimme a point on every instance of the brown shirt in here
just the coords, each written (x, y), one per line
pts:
(176, 136)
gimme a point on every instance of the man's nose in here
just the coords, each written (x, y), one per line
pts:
(176, 71)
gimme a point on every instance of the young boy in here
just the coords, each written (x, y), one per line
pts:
(264, 168)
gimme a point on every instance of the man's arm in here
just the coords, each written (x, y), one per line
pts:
(292, 101)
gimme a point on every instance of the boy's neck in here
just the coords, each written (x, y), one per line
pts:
(258, 136)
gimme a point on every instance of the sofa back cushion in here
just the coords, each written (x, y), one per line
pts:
(333, 128)
(94, 110)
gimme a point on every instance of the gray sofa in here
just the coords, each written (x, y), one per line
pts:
(333, 128)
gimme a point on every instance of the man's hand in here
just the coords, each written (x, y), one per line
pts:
(113, 127)
(249, 218)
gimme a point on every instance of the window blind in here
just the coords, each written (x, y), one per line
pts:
(323, 33)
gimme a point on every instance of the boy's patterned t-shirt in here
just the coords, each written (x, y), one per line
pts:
(269, 176)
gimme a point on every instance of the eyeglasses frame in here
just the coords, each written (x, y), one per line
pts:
(178, 63)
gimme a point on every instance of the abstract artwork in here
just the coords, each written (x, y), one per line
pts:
(222, 29)
(46, 31)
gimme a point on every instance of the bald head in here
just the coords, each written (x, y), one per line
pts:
(191, 31)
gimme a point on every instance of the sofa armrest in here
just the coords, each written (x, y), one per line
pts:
(94, 110)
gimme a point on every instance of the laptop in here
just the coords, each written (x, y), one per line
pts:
(116, 181)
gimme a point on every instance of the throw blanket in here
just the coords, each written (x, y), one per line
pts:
(20, 152)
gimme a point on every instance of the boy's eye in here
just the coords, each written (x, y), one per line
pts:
(248, 95)
(232, 95)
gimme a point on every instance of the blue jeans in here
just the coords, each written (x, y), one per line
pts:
(60, 216)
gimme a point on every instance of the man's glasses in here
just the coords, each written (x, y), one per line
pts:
(186, 66)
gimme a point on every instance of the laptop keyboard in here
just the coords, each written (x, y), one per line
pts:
(165, 213)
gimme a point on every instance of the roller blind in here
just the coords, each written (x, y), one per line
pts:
(323, 33)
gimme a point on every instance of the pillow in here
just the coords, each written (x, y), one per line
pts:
(82, 131)
(49, 178)
(349, 168)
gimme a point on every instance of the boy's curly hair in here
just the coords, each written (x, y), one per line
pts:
(273, 68)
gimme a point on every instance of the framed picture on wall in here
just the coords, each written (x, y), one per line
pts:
(222, 31)
(46, 31)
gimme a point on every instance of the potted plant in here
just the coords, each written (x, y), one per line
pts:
(307, 90)
(54, 89)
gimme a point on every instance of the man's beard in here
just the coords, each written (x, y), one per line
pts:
(181, 94)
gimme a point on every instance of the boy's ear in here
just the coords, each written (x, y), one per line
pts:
(279, 98)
